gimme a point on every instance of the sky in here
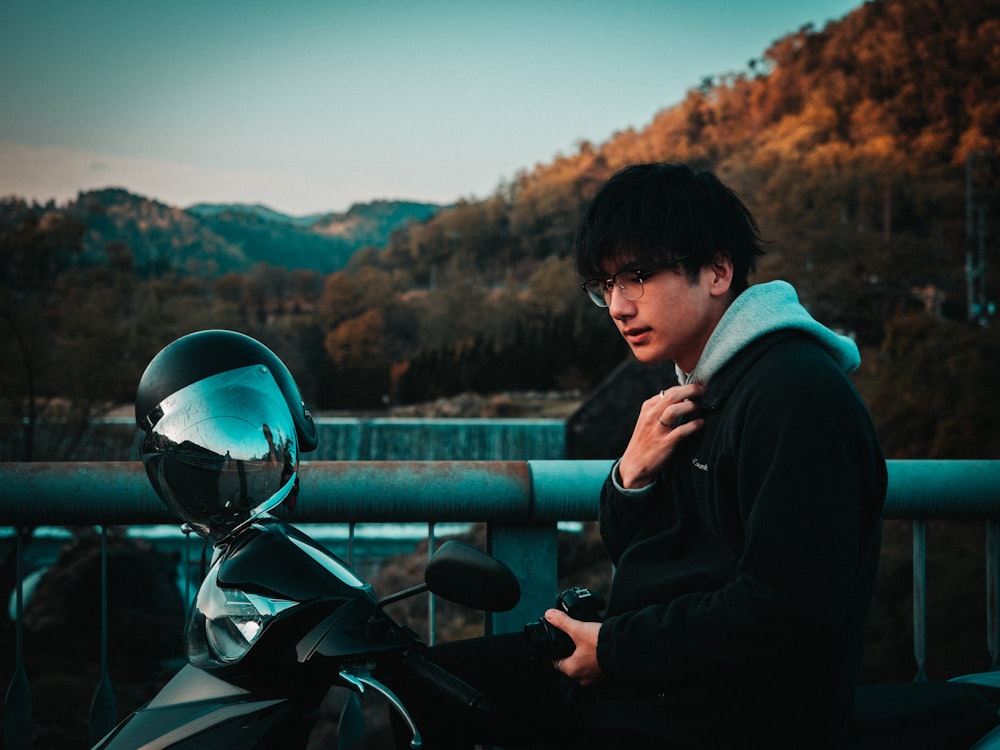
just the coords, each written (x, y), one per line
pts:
(310, 106)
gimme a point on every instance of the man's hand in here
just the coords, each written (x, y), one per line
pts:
(582, 664)
(657, 433)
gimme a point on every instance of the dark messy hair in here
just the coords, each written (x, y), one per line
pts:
(650, 213)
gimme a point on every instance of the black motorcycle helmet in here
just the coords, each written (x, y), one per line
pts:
(220, 426)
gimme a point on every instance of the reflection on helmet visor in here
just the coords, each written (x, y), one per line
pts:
(223, 450)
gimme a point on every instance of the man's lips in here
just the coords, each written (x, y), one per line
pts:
(635, 335)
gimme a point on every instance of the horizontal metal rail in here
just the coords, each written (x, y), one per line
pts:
(515, 492)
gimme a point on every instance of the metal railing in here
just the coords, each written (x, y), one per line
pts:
(520, 501)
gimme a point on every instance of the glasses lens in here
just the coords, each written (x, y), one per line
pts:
(630, 285)
(597, 292)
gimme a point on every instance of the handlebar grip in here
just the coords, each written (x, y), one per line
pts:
(445, 684)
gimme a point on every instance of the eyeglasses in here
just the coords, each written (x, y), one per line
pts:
(627, 282)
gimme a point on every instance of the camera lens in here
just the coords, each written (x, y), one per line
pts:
(552, 643)
(545, 641)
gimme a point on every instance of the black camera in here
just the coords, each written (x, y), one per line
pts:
(552, 643)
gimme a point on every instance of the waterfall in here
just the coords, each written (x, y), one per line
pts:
(363, 439)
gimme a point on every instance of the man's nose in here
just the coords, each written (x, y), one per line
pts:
(619, 306)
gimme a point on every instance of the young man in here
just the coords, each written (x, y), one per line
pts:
(744, 516)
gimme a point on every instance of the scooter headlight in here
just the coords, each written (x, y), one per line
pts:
(231, 620)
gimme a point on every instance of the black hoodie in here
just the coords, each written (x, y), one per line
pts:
(743, 575)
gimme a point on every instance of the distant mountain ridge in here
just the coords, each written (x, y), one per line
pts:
(214, 210)
(213, 239)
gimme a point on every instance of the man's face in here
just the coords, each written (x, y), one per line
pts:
(674, 317)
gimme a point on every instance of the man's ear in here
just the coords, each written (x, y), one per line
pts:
(722, 274)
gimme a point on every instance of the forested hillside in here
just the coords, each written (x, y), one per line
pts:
(850, 143)
(867, 150)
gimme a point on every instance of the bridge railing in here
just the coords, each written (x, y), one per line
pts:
(521, 503)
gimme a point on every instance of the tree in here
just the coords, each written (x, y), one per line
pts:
(36, 247)
(361, 370)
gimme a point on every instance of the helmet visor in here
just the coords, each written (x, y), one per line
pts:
(221, 451)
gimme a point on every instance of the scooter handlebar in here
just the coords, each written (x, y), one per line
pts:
(445, 684)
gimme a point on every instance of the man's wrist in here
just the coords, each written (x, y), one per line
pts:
(616, 480)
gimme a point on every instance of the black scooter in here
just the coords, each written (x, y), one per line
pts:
(277, 621)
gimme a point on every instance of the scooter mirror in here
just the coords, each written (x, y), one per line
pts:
(467, 576)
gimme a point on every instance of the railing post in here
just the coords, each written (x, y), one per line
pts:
(431, 603)
(992, 591)
(103, 711)
(532, 552)
(920, 598)
(187, 530)
(17, 703)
